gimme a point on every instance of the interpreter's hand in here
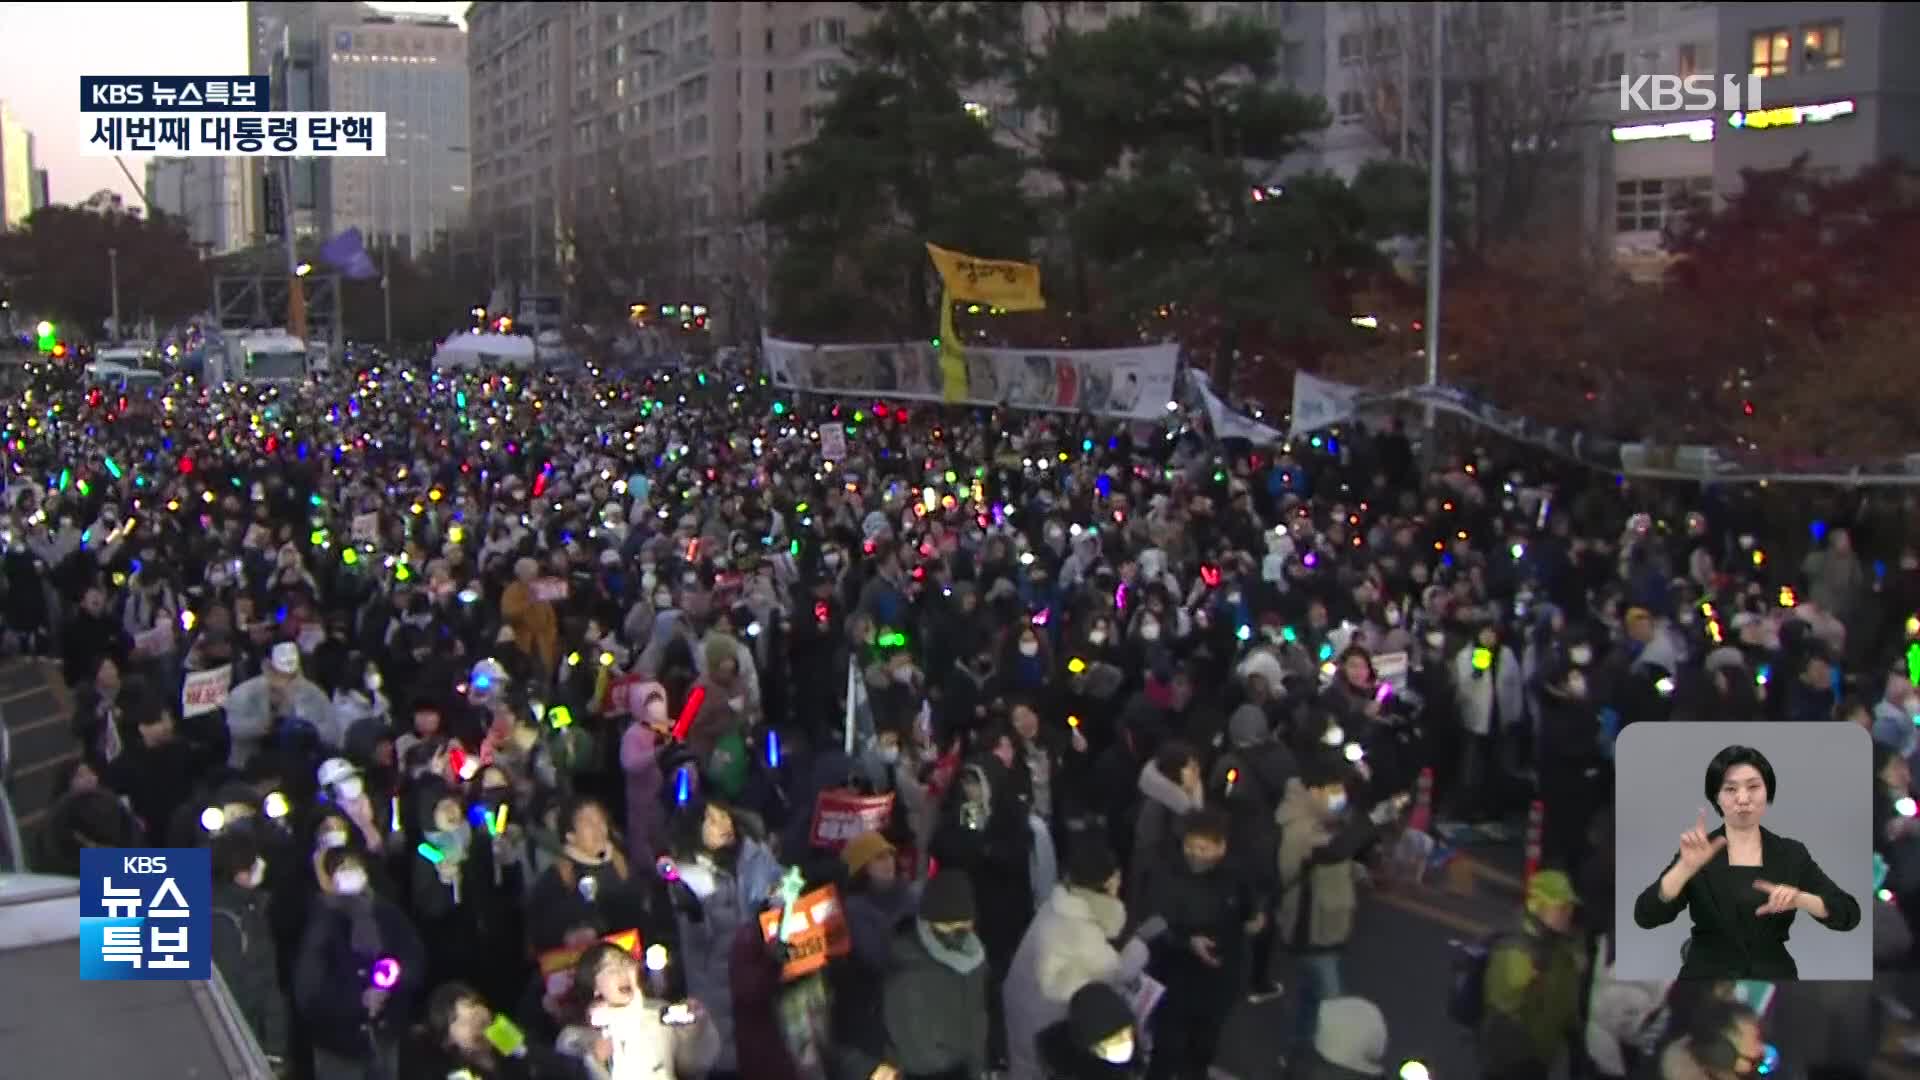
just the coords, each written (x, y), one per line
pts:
(1780, 898)
(1697, 849)
(1204, 948)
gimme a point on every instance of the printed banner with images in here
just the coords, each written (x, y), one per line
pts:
(1135, 383)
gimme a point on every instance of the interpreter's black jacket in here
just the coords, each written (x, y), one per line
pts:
(1729, 941)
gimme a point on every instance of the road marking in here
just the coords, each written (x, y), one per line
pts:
(22, 695)
(52, 762)
(1413, 905)
(1491, 873)
(48, 721)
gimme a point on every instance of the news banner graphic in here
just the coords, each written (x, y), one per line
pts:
(213, 116)
(146, 914)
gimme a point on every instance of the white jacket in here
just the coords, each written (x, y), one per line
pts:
(1506, 684)
(644, 1048)
(1620, 1015)
(1066, 947)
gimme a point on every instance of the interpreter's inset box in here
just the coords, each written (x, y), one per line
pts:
(1743, 851)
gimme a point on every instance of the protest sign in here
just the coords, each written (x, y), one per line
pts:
(815, 931)
(840, 814)
(205, 691)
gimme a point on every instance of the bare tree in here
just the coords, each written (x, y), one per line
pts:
(1518, 79)
(619, 243)
(739, 277)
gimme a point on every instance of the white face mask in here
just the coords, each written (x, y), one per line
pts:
(349, 789)
(1117, 1053)
(662, 600)
(1393, 616)
(350, 881)
(1097, 637)
(1149, 631)
(903, 675)
(1337, 803)
(1581, 655)
(373, 682)
(1029, 648)
(831, 560)
(330, 839)
(1436, 638)
(737, 704)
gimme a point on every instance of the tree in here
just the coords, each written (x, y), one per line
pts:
(1516, 82)
(625, 245)
(898, 161)
(59, 268)
(1163, 132)
(432, 296)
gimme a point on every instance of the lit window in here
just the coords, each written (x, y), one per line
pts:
(1822, 47)
(1771, 54)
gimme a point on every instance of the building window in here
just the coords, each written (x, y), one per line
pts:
(1608, 70)
(1822, 47)
(1686, 62)
(1648, 205)
(1771, 54)
(1350, 48)
(769, 121)
(1350, 105)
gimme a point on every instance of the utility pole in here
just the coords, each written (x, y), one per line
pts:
(113, 283)
(1436, 191)
(386, 289)
(533, 251)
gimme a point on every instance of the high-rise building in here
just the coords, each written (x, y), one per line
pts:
(217, 198)
(16, 170)
(286, 43)
(41, 189)
(413, 68)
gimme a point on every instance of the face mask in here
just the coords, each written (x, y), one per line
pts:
(1436, 638)
(737, 704)
(1337, 803)
(349, 789)
(1581, 655)
(1117, 1053)
(662, 600)
(889, 754)
(1029, 648)
(831, 560)
(350, 881)
(648, 579)
(1097, 637)
(330, 839)
(903, 675)
(1576, 686)
(1393, 616)
(373, 682)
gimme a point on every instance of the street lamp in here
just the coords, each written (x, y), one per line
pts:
(303, 270)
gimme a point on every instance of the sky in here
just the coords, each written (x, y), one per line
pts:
(50, 45)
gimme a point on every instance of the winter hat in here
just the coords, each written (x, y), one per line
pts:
(1090, 865)
(1263, 664)
(1351, 1034)
(718, 649)
(1097, 1013)
(1725, 658)
(864, 849)
(948, 899)
(1248, 725)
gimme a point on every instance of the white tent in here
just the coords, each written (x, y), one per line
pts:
(478, 350)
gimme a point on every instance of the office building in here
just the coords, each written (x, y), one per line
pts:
(216, 198)
(413, 68)
(16, 170)
(41, 189)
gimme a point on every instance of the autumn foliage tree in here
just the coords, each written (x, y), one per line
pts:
(57, 266)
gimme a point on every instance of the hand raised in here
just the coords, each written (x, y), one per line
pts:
(1696, 847)
(1780, 898)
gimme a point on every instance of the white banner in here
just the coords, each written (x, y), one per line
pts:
(223, 134)
(1135, 383)
(1321, 403)
(1228, 424)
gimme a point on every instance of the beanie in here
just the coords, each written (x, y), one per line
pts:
(1248, 725)
(1095, 1014)
(864, 849)
(948, 899)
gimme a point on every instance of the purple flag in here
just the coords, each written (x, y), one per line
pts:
(347, 253)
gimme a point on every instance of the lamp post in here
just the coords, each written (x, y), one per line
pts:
(113, 284)
(1436, 157)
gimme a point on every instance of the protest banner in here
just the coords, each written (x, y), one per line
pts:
(815, 931)
(205, 691)
(563, 959)
(840, 814)
(366, 528)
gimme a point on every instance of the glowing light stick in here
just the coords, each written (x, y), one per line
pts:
(385, 973)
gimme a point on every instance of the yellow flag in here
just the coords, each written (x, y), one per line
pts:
(1001, 283)
(953, 358)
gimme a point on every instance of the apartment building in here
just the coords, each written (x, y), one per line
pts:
(216, 197)
(413, 68)
(16, 170)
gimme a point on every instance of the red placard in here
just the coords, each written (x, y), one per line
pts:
(840, 814)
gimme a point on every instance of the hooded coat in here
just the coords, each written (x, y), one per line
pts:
(1068, 946)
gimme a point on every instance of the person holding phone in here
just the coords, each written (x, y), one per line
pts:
(462, 1034)
(1742, 884)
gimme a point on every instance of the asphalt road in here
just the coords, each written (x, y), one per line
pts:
(34, 706)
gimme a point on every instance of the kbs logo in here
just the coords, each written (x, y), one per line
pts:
(115, 93)
(1672, 93)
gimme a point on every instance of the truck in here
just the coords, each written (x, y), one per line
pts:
(262, 356)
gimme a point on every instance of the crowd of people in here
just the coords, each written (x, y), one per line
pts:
(528, 718)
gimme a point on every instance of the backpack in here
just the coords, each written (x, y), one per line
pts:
(1467, 1000)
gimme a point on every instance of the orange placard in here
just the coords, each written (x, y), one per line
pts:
(564, 959)
(816, 931)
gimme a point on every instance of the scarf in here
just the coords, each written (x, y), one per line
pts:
(365, 937)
